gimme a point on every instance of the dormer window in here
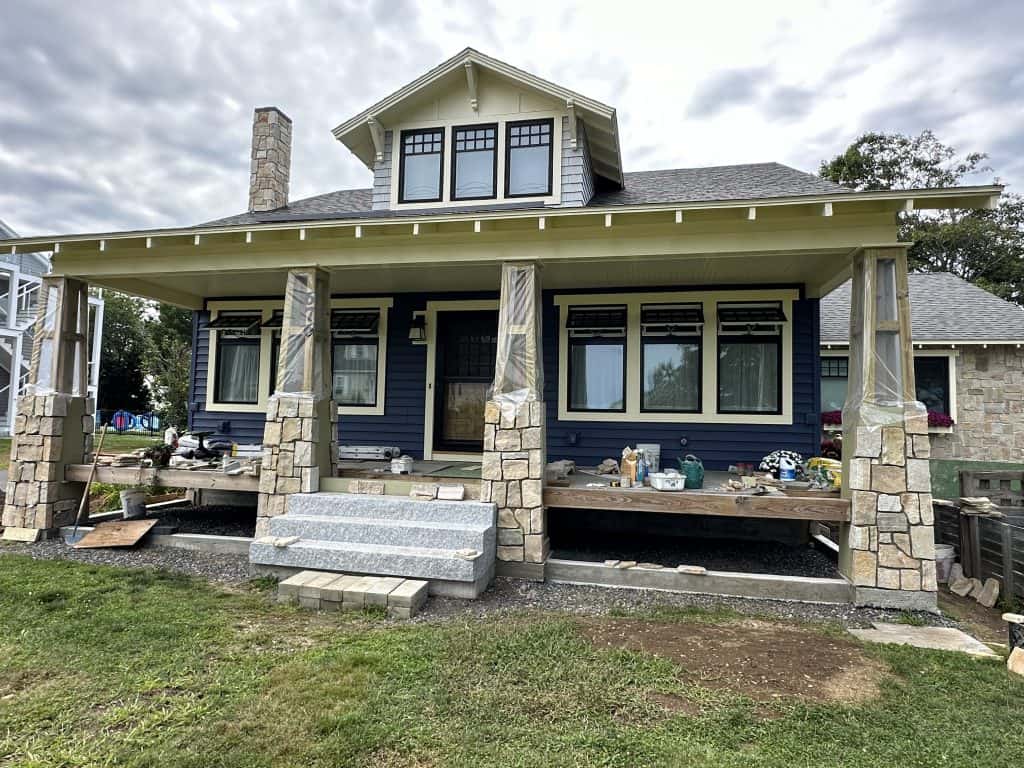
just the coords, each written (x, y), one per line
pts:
(420, 166)
(475, 162)
(528, 157)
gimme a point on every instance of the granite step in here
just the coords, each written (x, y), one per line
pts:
(369, 530)
(375, 559)
(351, 505)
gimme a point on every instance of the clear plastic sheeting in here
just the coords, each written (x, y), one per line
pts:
(877, 380)
(42, 381)
(304, 333)
(518, 369)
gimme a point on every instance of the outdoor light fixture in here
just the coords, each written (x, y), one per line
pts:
(418, 329)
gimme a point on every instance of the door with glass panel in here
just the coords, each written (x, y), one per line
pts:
(466, 348)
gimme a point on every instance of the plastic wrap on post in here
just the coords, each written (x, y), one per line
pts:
(875, 385)
(518, 368)
(300, 362)
(42, 382)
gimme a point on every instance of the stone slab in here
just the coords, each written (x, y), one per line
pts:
(896, 599)
(1016, 661)
(350, 505)
(933, 638)
(408, 533)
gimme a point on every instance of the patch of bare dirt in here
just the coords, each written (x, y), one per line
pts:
(984, 623)
(676, 705)
(758, 659)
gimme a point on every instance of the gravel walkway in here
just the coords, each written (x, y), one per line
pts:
(505, 596)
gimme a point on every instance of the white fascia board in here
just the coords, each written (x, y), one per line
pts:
(49, 241)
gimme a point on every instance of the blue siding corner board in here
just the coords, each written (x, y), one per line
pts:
(586, 442)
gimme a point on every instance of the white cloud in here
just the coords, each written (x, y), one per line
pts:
(138, 115)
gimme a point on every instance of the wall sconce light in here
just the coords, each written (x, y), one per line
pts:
(418, 328)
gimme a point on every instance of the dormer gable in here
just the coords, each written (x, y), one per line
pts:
(475, 131)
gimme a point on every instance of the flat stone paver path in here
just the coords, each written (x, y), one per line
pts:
(934, 638)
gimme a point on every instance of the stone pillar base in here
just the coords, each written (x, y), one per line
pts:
(296, 449)
(49, 432)
(513, 478)
(890, 538)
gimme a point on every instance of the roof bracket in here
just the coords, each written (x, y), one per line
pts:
(377, 134)
(474, 104)
(573, 139)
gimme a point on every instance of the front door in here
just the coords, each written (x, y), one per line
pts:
(466, 347)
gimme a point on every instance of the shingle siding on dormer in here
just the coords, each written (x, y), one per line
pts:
(382, 177)
(577, 174)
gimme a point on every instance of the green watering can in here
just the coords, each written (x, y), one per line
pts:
(693, 470)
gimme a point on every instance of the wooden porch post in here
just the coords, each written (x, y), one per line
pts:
(887, 550)
(300, 436)
(54, 422)
(515, 440)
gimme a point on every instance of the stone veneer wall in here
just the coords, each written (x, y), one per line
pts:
(989, 407)
(292, 453)
(271, 159)
(891, 539)
(36, 496)
(513, 478)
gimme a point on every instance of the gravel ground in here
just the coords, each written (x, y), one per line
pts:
(505, 596)
(713, 554)
(211, 520)
(223, 569)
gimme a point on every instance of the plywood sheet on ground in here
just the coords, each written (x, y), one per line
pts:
(116, 533)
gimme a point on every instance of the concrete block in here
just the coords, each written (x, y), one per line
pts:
(411, 593)
(377, 592)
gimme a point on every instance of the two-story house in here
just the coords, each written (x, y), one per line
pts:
(506, 293)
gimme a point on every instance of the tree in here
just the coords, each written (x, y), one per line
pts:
(122, 378)
(983, 247)
(168, 361)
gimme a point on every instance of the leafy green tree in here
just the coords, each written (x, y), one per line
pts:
(168, 361)
(122, 382)
(983, 247)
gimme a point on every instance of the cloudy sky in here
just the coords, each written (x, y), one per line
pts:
(137, 114)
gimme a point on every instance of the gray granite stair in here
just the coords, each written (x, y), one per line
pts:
(384, 536)
(392, 507)
(370, 530)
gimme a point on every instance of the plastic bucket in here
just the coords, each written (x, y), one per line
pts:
(133, 503)
(944, 557)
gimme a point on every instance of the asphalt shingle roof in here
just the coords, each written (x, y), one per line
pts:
(943, 307)
(678, 185)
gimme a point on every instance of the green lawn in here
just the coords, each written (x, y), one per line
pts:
(112, 443)
(109, 667)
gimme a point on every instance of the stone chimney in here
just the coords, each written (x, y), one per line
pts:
(271, 159)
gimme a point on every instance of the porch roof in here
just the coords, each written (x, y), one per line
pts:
(796, 240)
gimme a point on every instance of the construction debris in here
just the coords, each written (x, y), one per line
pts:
(451, 492)
(116, 533)
(423, 491)
(980, 506)
(369, 487)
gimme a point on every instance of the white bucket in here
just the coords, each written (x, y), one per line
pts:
(133, 503)
(944, 557)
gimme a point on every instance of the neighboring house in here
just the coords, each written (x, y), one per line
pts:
(20, 275)
(506, 293)
(968, 365)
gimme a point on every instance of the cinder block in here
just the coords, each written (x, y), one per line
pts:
(378, 591)
(410, 594)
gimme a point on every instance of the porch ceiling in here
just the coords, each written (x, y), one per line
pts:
(811, 269)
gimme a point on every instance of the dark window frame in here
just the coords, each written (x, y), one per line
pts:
(570, 378)
(226, 340)
(401, 165)
(365, 341)
(455, 157)
(946, 400)
(749, 339)
(551, 156)
(829, 371)
(669, 339)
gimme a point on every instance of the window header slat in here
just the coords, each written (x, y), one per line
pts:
(751, 314)
(276, 319)
(355, 321)
(240, 321)
(680, 314)
(596, 318)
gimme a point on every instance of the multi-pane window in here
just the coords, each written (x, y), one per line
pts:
(475, 162)
(834, 372)
(354, 356)
(750, 357)
(597, 358)
(528, 158)
(420, 165)
(237, 376)
(671, 357)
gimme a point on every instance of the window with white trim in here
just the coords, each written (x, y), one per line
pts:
(671, 351)
(750, 357)
(355, 338)
(529, 151)
(237, 376)
(475, 162)
(420, 166)
(597, 358)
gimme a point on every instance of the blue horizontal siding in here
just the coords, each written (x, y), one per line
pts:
(718, 445)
